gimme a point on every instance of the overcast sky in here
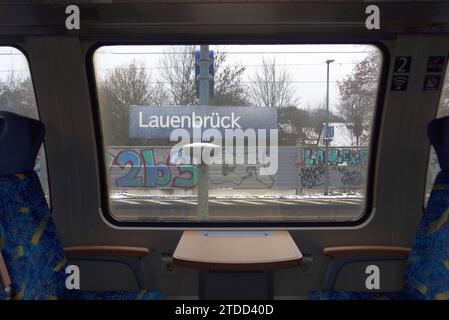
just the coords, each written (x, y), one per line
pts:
(305, 63)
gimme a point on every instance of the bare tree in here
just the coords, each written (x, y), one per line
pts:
(178, 65)
(126, 85)
(272, 86)
(131, 84)
(161, 96)
(302, 126)
(17, 95)
(358, 97)
(295, 126)
(229, 90)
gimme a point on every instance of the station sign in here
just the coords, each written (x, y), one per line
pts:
(159, 122)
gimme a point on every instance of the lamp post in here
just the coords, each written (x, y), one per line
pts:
(203, 177)
(326, 137)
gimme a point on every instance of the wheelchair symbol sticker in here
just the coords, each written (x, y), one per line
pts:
(432, 82)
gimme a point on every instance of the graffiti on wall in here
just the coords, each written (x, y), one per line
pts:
(337, 156)
(148, 168)
(239, 177)
(312, 176)
(346, 167)
(155, 168)
(351, 177)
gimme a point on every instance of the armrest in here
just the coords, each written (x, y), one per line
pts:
(130, 256)
(367, 251)
(106, 251)
(4, 277)
(341, 256)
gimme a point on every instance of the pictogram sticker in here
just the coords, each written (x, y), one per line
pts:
(436, 63)
(432, 82)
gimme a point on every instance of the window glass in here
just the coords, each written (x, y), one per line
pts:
(237, 132)
(17, 95)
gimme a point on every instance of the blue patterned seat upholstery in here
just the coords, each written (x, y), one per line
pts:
(31, 249)
(2, 294)
(340, 295)
(427, 269)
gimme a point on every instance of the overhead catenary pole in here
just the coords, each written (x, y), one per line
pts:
(326, 134)
(204, 76)
(203, 177)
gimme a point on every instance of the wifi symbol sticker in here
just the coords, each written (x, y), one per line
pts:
(399, 83)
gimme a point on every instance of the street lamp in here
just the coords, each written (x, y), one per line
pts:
(326, 137)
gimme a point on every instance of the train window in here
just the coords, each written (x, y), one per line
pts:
(17, 95)
(434, 166)
(237, 133)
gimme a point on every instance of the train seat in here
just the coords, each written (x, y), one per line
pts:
(427, 269)
(33, 260)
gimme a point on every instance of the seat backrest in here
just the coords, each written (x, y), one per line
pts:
(20, 140)
(427, 270)
(29, 242)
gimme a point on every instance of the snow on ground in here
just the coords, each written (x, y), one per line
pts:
(333, 195)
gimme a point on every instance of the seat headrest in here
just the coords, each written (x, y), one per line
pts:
(438, 131)
(20, 140)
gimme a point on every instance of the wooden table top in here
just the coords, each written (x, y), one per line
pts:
(236, 250)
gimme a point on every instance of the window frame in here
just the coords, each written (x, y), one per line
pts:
(22, 50)
(105, 210)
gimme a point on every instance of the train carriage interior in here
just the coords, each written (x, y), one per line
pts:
(224, 150)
